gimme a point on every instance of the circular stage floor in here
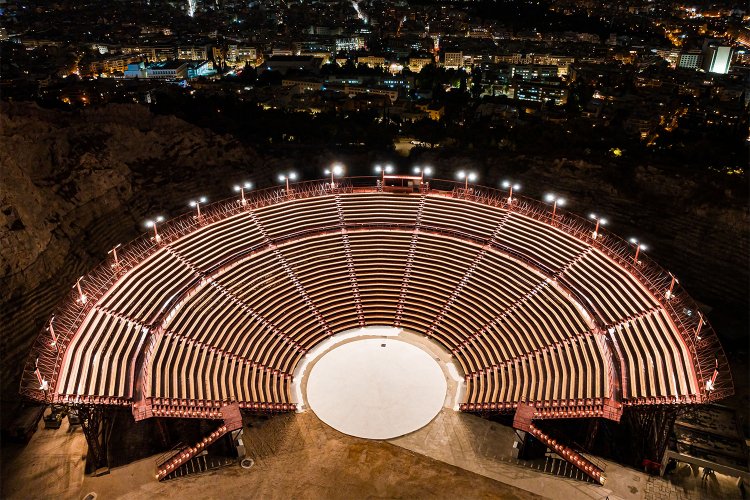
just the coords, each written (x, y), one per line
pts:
(376, 388)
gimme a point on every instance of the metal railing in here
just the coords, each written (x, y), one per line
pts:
(47, 355)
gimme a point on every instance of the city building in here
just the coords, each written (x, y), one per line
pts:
(717, 58)
(350, 44)
(372, 61)
(453, 60)
(199, 69)
(690, 59)
(195, 53)
(283, 64)
(533, 72)
(136, 70)
(241, 53)
(434, 110)
(417, 63)
(167, 70)
(537, 91)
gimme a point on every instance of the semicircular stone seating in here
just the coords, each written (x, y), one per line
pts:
(531, 314)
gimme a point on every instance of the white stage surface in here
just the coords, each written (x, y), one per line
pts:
(376, 388)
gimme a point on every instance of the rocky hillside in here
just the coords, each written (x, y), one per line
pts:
(74, 185)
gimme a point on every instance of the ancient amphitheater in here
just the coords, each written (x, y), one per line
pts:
(213, 313)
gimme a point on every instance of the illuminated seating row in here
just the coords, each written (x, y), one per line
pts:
(149, 288)
(573, 371)
(105, 342)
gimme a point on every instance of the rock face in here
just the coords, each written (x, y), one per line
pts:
(74, 185)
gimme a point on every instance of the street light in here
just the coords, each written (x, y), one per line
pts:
(670, 292)
(555, 200)
(511, 186)
(599, 221)
(51, 330)
(116, 265)
(152, 223)
(197, 205)
(285, 178)
(241, 189)
(700, 325)
(387, 169)
(638, 247)
(466, 176)
(336, 169)
(81, 296)
(382, 170)
(425, 170)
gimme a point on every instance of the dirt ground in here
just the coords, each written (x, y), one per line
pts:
(297, 456)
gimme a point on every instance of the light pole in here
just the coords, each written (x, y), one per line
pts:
(510, 186)
(52, 333)
(43, 384)
(336, 169)
(241, 189)
(81, 296)
(700, 325)
(197, 205)
(425, 170)
(153, 223)
(116, 265)
(555, 200)
(466, 176)
(382, 170)
(599, 221)
(638, 247)
(670, 292)
(285, 178)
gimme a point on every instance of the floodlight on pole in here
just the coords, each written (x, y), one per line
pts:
(670, 292)
(423, 171)
(510, 186)
(116, 264)
(336, 169)
(153, 223)
(555, 200)
(466, 176)
(43, 384)
(285, 178)
(51, 329)
(81, 296)
(382, 170)
(638, 247)
(197, 205)
(599, 221)
(241, 189)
